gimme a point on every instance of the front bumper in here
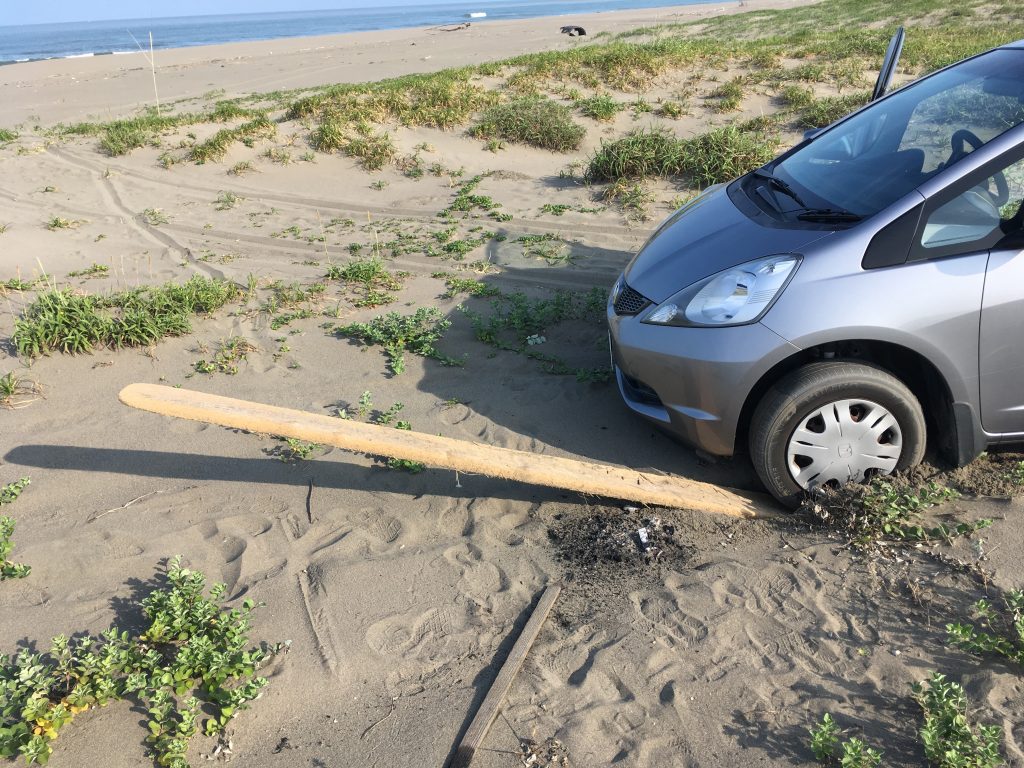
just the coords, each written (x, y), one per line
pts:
(692, 381)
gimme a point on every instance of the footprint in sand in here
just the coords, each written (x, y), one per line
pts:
(778, 593)
(668, 622)
(785, 650)
(385, 528)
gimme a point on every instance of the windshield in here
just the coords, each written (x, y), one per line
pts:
(889, 149)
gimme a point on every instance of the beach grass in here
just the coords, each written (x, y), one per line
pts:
(64, 320)
(718, 155)
(534, 120)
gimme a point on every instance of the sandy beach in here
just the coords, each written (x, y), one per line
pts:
(399, 591)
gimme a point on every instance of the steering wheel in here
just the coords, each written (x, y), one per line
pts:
(959, 141)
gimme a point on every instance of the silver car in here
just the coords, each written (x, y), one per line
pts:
(856, 297)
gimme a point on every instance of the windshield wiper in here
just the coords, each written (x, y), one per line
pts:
(780, 185)
(827, 214)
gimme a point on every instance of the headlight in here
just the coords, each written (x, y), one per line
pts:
(617, 289)
(736, 296)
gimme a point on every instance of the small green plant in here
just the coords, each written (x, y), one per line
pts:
(9, 570)
(241, 168)
(518, 324)
(7, 135)
(371, 281)
(60, 223)
(379, 185)
(154, 217)
(230, 353)
(226, 201)
(16, 391)
(10, 492)
(634, 199)
(494, 145)
(456, 285)
(293, 450)
(602, 107)
(533, 120)
(854, 753)
(729, 96)
(372, 150)
(468, 202)
(825, 738)
(950, 739)
(96, 270)
(278, 155)
(417, 333)
(997, 631)
(672, 110)
(193, 656)
(548, 247)
(886, 510)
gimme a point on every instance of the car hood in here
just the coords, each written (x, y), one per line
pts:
(706, 236)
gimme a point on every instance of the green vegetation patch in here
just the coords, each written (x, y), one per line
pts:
(7, 135)
(216, 147)
(602, 107)
(192, 658)
(887, 511)
(9, 570)
(417, 333)
(443, 99)
(518, 324)
(534, 120)
(851, 753)
(821, 112)
(996, 631)
(950, 739)
(708, 158)
(66, 321)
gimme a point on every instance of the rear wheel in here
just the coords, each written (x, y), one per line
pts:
(830, 423)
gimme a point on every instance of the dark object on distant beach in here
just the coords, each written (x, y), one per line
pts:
(573, 31)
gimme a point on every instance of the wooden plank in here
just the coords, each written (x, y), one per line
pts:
(444, 452)
(491, 705)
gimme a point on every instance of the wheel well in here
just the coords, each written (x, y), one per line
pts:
(914, 370)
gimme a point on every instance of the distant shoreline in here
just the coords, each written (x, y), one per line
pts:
(44, 42)
(116, 86)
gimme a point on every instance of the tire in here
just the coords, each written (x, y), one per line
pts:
(884, 423)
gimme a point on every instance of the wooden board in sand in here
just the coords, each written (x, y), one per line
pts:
(443, 452)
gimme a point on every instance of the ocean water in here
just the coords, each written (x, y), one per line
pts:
(48, 41)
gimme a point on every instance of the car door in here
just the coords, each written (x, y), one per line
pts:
(981, 217)
(1001, 341)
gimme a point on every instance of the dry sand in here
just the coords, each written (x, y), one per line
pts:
(400, 592)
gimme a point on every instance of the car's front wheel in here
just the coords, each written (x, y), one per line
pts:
(830, 423)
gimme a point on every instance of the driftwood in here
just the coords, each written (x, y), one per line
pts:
(603, 480)
(491, 705)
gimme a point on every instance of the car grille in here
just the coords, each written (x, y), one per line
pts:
(630, 302)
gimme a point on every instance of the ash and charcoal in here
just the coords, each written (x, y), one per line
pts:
(629, 536)
(549, 752)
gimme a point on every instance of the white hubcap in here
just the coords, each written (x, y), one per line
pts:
(844, 441)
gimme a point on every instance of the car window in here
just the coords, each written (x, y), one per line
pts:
(876, 157)
(936, 122)
(975, 215)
